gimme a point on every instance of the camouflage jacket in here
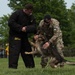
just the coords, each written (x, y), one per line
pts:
(52, 32)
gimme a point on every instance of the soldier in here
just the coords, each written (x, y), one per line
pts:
(50, 29)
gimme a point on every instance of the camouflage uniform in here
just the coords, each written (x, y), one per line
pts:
(60, 45)
(51, 33)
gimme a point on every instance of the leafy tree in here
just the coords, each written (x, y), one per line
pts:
(71, 13)
(4, 29)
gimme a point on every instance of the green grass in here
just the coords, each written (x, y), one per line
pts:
(66, 70)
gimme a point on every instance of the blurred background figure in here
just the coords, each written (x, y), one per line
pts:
(7, 50)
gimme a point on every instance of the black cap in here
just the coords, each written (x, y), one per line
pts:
(47, 17)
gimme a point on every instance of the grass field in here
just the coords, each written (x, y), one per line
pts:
(66, 70)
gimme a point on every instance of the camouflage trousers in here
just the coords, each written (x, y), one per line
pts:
(51, 52)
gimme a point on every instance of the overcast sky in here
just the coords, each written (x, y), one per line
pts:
(4, 9)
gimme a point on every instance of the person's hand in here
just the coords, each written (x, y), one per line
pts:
(24, 29)
(36, 37)
(46, 45)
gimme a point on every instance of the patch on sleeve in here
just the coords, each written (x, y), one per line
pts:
(55, 29)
